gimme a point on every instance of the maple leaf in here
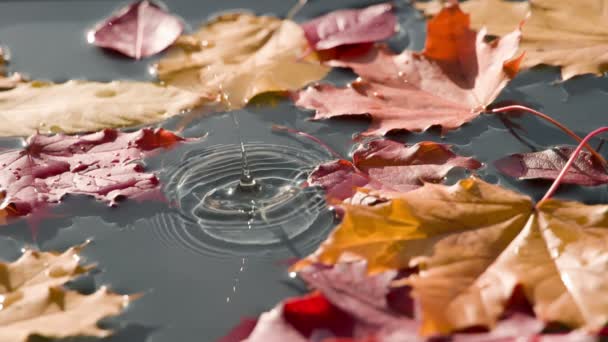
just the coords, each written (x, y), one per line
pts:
(346, 27)
(238, 56)
(448, 84)
(547, 164)
(79, 106)
(141, 29)
(569, 34)
(390, 166)
(103, 165)
(473, 243)
(349, 304)
(34, 303)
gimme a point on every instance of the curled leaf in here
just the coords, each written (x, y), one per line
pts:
(238, 56)
(447, 84)
(103, 165)
(139, 30)
(547, 164)
(388, 166)
(80, 106)
(473, 243)
(352, 26)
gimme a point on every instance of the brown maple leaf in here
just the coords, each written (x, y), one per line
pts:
(34, 303)
(473, 243)
(447, 84)
(569, 34)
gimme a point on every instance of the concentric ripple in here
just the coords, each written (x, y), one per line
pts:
(214, 217)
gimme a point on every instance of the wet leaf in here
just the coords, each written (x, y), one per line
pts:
(139, 30)
(103, 165)
(473, 243)
(388, 166)
(345, 27)
(547, 164)
(349, 305)
(34, 303)
(238, 56)
(79, 106)
(563, 33)
(448, 84)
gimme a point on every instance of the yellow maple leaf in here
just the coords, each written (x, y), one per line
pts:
(32, 301)
(473, 243)
(238, 56)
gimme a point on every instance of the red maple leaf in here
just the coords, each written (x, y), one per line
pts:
(448, 84)
(351, 26)
(547, 164)
(103, 165)
(388, 166)
(139, 30)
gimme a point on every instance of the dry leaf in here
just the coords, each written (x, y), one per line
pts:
(448, 84)
(238, 56)
(79, 106)
(570, 34)
(34, 303)
(473, 242)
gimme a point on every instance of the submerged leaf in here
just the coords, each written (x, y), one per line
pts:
(139, 30)
(547, 164)
(238, 56)
(345, 27)
(79, 106)
(473, 243)
(569, 34)
(448, 84)
(388, 166)
(34, 303)
(103, 165)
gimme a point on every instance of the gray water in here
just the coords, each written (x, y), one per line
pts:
(198, 286)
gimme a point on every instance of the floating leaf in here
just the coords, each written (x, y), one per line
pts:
(473, 243)
(360, 313)
(238, 56)
(103, 165)
(345, 27)
(570, 34)
(78, 106)
(448, 84)
(34, 303)
(388, 166)
(547, 164)
(141, 29)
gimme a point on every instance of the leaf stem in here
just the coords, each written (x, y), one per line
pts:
(295, 9)
(569, 163)
(513, 108)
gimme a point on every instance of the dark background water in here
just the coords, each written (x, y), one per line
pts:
(198, 294)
